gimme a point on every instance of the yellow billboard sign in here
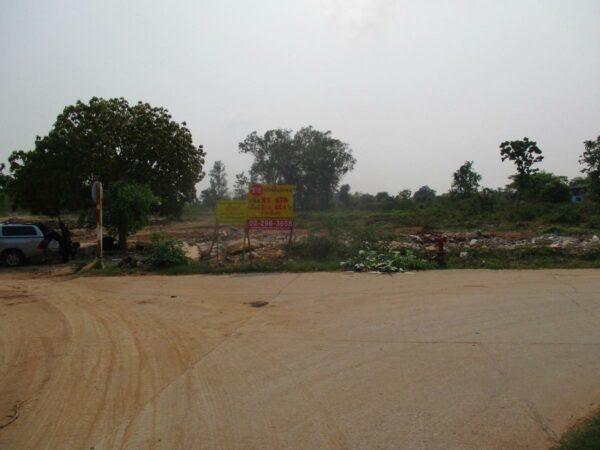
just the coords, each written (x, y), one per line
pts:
(270, 206)
(231, 212)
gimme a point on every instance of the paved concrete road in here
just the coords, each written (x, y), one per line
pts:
(443, 359)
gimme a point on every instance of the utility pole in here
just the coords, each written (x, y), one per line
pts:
(97, 197)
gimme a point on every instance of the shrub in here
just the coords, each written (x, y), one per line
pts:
(526, 213)
(566, 215)
(524, 253)
(372, 236)
(316, 247)
(127, 209)
(556, 191)
(591, 255)
(165, 252)
(584, 435)
(594, 221)
(389, 261)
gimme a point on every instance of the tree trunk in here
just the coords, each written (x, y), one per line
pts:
(122, 239)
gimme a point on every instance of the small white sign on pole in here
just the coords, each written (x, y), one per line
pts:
(94, 190)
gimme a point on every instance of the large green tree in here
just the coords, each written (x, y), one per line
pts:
(310, 159)
(107, 140)
(591, 161)
(524, 154)
(465, 180)
(324, 161)
(276, 158)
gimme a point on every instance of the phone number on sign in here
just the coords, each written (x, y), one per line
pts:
(268, 224)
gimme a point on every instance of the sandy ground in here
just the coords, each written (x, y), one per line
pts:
(442, 359)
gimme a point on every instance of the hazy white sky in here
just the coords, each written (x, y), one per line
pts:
(415, 87)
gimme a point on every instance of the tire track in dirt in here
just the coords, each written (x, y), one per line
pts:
(332, 362)
(97, 384)
(207, 393)
(36, 340)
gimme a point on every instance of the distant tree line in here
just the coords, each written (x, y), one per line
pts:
(528, 184)
(148, 163)
(281, 157)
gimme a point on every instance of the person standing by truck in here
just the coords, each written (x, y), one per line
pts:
(65, 243)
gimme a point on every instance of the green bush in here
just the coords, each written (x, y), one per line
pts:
(565, 214)
(591, 255)
(594, 221)
(316, 247)
(389, 261)
(556, 191)
(583, 436)
(373, 236)
(165, 252)
(525, 253)
(526, 212)
(127, 208)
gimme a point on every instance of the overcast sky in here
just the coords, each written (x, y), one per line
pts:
(415, 87)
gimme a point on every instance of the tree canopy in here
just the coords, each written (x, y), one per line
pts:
(424, 194)
(107, 140)
(310, 159)
(465, 180)
(591, 161)
(524, 153)
(405, 194)
(127, 209)
(543, 186)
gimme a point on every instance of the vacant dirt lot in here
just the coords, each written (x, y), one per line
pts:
(444, 359)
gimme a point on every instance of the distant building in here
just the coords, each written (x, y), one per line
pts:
(578, 193)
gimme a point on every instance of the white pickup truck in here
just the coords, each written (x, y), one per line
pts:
(21, 242)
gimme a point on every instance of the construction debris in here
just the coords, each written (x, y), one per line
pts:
(237, 247)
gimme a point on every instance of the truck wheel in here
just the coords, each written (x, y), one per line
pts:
(13, 258)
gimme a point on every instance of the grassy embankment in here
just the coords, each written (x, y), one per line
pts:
(583, 436)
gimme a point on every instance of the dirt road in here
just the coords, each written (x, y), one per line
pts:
(443, 359)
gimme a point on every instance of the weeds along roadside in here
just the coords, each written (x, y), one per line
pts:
(320, 253)
(339, 235)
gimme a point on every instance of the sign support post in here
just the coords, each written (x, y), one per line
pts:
(244, 245)
(231, 212)
(291, 235)
(217, 229)
(97, 197)
(212, 242)
(248, 239)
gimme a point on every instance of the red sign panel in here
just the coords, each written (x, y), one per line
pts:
(256, 189)
(270, 224)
